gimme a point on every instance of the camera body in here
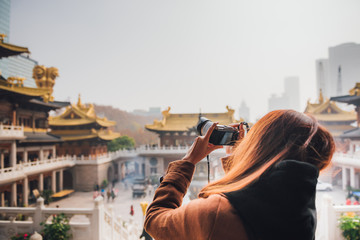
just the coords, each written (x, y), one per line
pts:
(222, 135)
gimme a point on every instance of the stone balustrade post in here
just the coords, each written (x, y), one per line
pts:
(61, 179)
(38, 214)
(26, 191)
(98, 219)
(53, 181)
(13, 154)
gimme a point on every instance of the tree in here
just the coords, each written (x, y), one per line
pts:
(121, 143)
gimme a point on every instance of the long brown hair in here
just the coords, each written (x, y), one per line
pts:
(279, 135)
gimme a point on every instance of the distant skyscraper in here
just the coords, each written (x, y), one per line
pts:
(278, 102)
(292, 91)
(339, 73)
(18, 66)
(322, 77)
(290, 99)
(244, 111)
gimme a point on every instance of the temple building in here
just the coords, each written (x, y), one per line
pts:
(336, 120)
(83, 132)
(24, 138)
(179, 129)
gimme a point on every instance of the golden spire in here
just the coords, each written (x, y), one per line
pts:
(321, 97)
(79, 104)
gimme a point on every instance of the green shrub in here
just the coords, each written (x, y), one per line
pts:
(58, 229)
(350, 226)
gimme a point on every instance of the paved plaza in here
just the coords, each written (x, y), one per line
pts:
(124, 200)
(121, 204)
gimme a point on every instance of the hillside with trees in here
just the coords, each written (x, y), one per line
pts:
(129, 124)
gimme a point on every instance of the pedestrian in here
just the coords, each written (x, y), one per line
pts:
(103, 193)
(257, 197)
(108, 194)
(132, 210)
(113, 194)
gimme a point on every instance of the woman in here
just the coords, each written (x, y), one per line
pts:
(268, 191)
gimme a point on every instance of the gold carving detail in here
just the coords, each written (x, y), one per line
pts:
(45, 79)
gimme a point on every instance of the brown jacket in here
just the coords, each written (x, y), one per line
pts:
(209, 218)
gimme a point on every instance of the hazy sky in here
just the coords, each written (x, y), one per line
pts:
(189, 55)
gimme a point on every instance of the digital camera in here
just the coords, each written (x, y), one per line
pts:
(222, 135)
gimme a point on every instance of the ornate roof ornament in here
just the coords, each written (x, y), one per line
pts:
(45, 79)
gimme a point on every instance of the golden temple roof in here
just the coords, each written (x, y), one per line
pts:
(7, 49)
(74, 135)
(15, 85)
(186, 121)
(79, 114)
(328, 111)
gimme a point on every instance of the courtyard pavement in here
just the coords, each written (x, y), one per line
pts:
(124, 200)
(121, 203)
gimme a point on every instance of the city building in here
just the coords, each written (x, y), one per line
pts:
(289, 99)
(340, 71)
(244, 112)
(180, 129)
(14, 66)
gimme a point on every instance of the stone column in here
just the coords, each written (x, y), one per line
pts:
(13, 195)
(41, 182)
(25, 158)
(54, 152)
(13, 154)
(2, 199)
(53, 181)
(344, 178)
(352, 177)
(26, 192)
(2, 157)
(61, 178)
(41, 154)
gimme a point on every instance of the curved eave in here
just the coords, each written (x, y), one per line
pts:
(79, 137)
(7, 50)
(34, 92)
(106, 137)
(69, 122)
(105, 123)
(109, 137)
(349, 99)
(156, 129)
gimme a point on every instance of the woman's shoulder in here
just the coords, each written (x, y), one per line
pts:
(221, 216)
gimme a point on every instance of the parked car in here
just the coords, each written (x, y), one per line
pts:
(139, 188)
(323, 186)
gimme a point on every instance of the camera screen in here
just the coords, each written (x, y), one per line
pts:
(226, 138)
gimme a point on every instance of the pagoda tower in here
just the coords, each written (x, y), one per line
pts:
(83, 132)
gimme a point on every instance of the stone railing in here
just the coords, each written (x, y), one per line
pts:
(85, 223)
(343, 159)
(23, 169)
(328, 216)
(153, 150)
(10, 131)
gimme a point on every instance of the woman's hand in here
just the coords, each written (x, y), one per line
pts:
(240, 126)
(201, 147)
